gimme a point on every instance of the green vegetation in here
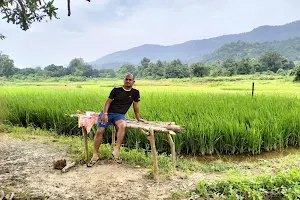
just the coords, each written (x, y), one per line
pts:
(223, 177)
(134, 157)
(297, 73)
(270, 63)
(230, 122)
(283, 185)
(25, 12)
(240, 49)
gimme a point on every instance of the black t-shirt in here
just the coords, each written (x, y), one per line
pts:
(122, 99)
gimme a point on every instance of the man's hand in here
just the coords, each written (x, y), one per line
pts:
(142, 120)
(104, 119)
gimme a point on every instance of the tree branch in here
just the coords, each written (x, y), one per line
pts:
(2, 37)
(69, 8)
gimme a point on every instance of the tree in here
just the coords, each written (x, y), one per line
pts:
(26, 12)
(74, 64)
(297, 73)
(128, 68)
(231, 66)
(6, 65)
(271, 61)
(199, 69)
(219, 71)
(55, 70)
(281, 71)
(2, 37)
(244, 67)
(176, 69)
(27, 71)
(287, 64)
(158, 69)
(107, 73)
(144, 69)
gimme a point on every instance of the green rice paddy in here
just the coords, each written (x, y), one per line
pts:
(219, 116)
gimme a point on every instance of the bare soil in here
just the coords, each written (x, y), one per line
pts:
(26, 168)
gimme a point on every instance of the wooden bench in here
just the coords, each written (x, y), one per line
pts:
(88, 119)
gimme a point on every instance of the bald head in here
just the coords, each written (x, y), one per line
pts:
(129, 75)
(128, 81)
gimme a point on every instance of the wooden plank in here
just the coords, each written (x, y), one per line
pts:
(173, 152)
(68, 167)
(158, 126)
(164, 126)
(151, 139)
(85, 145)
(155, 128)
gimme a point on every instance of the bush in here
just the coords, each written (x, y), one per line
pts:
(297, 73)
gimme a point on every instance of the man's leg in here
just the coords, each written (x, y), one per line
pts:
(99, 135)
(97, 141)
(121, 124)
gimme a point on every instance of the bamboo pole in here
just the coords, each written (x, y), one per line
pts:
(252, 89)
(68, 167)
(151, 139)
(85, 144)
(155, 128)
(113, 136)
(172, 150)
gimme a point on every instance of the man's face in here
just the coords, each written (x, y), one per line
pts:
(128, 81)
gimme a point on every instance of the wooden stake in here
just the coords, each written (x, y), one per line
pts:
(151, 139)
(85, 144)
(172, 150)
(113, 136)
(67, 167)
(252, 89)
(69, 8)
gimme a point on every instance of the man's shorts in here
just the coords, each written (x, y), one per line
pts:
(112, 118)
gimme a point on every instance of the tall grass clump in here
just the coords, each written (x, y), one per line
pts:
(214, 122)
(284, 185)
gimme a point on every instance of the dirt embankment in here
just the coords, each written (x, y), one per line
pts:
(27, 168)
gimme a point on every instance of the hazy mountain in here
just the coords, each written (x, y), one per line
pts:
(236, 50)
(195, 50)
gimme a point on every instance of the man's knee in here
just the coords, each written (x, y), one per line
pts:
(100, 131)
(121, 124)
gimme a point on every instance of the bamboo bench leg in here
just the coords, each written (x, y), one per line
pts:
(172, 145)
(85, 144)
(151, 139)
(113, 136)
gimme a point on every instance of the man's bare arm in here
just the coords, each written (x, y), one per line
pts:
(136, 109)
(107, 104)
(104, 118)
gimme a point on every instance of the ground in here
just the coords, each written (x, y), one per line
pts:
(26, 168)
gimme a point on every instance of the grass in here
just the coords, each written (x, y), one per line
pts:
(222, 123)
(228, 177)
(219, 115)
(133, 157)
(11, 192)
(283, 185)
(276, 160)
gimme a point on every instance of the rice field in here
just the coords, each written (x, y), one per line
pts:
(219, 117)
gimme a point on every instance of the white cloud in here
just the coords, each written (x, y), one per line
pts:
(100, 27)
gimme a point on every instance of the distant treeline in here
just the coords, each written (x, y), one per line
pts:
(268, 63)
(240, 49)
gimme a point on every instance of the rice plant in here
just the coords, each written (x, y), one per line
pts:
(226, 123)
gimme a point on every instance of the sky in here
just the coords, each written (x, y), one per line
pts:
(101, 27)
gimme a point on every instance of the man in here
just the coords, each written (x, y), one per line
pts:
(116, 106)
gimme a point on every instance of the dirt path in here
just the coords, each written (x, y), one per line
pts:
(26, 166)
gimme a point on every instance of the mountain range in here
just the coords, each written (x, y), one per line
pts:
(197, 50)
(289, 48)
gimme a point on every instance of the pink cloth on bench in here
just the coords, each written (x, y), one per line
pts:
(87, 121)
